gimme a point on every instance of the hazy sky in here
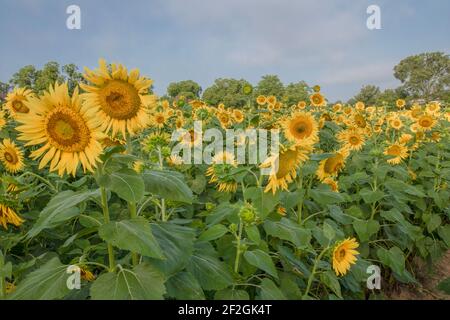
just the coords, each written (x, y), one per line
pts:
(321, 42)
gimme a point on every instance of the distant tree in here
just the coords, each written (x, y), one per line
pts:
(270, 85)
(25, 77)
(187, 88)
(226, 91)
(295, 92)
(389, 96)
(426, 75)
(72, 76)
(368, 94)
(4, 88)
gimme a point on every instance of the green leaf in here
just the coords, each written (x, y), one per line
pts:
(231, 294)
(213, 233)
(46, 283)
(221, 212)
(339, 216)
(434, 222)
(134, 235)
(167, 184)
(269, 291)
(127, 184)
(177, 243)
(263, 202)
(365, 229)
(141, 283)
(252, 233)
(209, 271)
(331, 281)
(393, 258)
(325, 197)
(288, 230)
(328, 231)
(261, 260)
(59, 209)
(444, 233)
(184, 286)
(370, 196)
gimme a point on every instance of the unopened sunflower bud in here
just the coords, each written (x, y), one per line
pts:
(247, 213)
(233, 228)
(210, 206)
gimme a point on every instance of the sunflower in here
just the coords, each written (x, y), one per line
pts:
(11, 156)
(433, 108)
(70, 131)
(360, 106)
(405, 138)
(352, 139)
(160, 119)
(15, 101)
(344, 255)
(121, 98)
(283, 167)
(398, 151)
(261, 100)
(179, 122)
(9, 216)
(271, 100)
(330, 167)
(359, 121)
(301, 105)
(301, 128)
(2, 119)
(396, 123)
(317, 100)
(426, 122)
(400, 103)
(86, 274)
(219, 171)
(191, 138)
(337, 107)
(238, 116)
(224, 119)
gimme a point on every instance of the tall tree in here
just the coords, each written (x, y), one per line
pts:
(270, 85)
(425, 75)
(227, 91)
(4, 88)
(187, 88)
(295, 92)
(368, 94)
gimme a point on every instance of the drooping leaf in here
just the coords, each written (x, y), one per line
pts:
(184, 286)
(168, 185)
(134, 235)
(261, 260)
(288, 230)
(59, 209)
(143, 282)
(212, 273)
(269, 291)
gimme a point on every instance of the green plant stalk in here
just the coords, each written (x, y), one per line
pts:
(107, 219)
(238, 247)
(300, 205)
(374, 188)
(132, 209)
(313, 271)
(163, 201)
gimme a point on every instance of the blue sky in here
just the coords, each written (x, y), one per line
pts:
(323, 42)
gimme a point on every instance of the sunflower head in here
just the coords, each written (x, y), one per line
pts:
(283, 167)
(344, 255)
(15, 101)
(426, 122)
(397, 153)
(331, 166)
(122, 98)
(11, 156)
(69, 131)
(352, 139)
(317, 100)
(400, 103)
(301, 128)
(261, 100)
(220, 172)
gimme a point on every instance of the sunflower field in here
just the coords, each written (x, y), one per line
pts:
(90, 187)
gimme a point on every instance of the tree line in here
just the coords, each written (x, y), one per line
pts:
(424, 76)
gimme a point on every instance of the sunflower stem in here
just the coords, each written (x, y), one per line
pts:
(163, 201)
(107, 220)
(300, 204)
(132, 209)
(313, 272)
(238, 247)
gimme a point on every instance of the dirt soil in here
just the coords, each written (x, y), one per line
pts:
(428, 279)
